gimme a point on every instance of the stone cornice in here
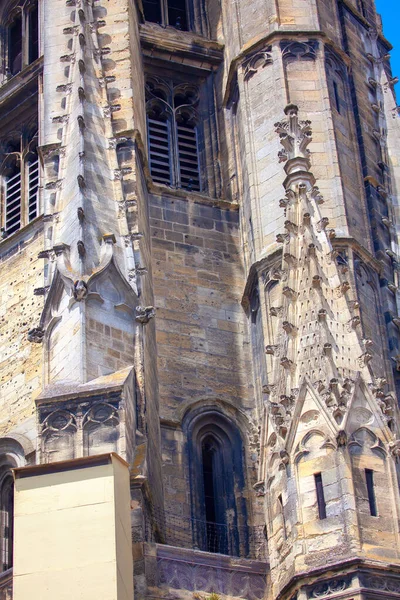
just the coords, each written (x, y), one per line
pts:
(16, 84)
(166, 43)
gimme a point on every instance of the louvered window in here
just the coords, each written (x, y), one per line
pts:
(33, 188)
(20, 175)
(188, 157)
(172, 128)
(166, 12)
(13, 201)
(159, 145)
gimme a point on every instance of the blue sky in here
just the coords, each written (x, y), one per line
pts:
(390, 11)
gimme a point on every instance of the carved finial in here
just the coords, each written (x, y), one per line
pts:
(295, 135)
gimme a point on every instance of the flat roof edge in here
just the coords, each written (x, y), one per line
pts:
(67, 465)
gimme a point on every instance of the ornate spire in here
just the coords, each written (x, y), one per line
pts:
(90, 251)
(319, 336)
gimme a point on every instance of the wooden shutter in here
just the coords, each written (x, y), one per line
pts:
(188, 158)
(159, 150)
(33, 189)
(13, 202)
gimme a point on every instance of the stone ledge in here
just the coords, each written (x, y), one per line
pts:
(194, 570)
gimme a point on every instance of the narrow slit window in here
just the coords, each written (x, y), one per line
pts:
(33, 34)
(369, 477)
(336, 95)
(320, 496)
(282, 513)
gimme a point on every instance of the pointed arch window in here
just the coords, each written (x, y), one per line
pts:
(167, 12)
(219, 506)
(20, 177)
(21, 37)
(7, 521)
(173, 133)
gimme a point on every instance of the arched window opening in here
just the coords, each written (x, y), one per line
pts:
(15, 46)
(7, 522)
(22, 37)
(166, 12)
(172, 129)
(219, 505)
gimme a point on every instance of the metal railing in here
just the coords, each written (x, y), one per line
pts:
(221, 538)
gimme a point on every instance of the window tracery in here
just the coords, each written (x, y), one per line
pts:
(173, 135)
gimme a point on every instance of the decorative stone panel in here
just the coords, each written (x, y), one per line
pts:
(192, 570)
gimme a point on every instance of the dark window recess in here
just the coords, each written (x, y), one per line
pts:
(166, 12)
(216, 531)
(177, 14)
(33, 34)
(22, 35)
(336, 95)
(7, 523)
(15, 46)
(13, 197)
(369, 477)
(173, 133)
(152, 11)
(320, 496)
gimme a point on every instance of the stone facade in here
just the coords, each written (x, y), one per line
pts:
(204, 279)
